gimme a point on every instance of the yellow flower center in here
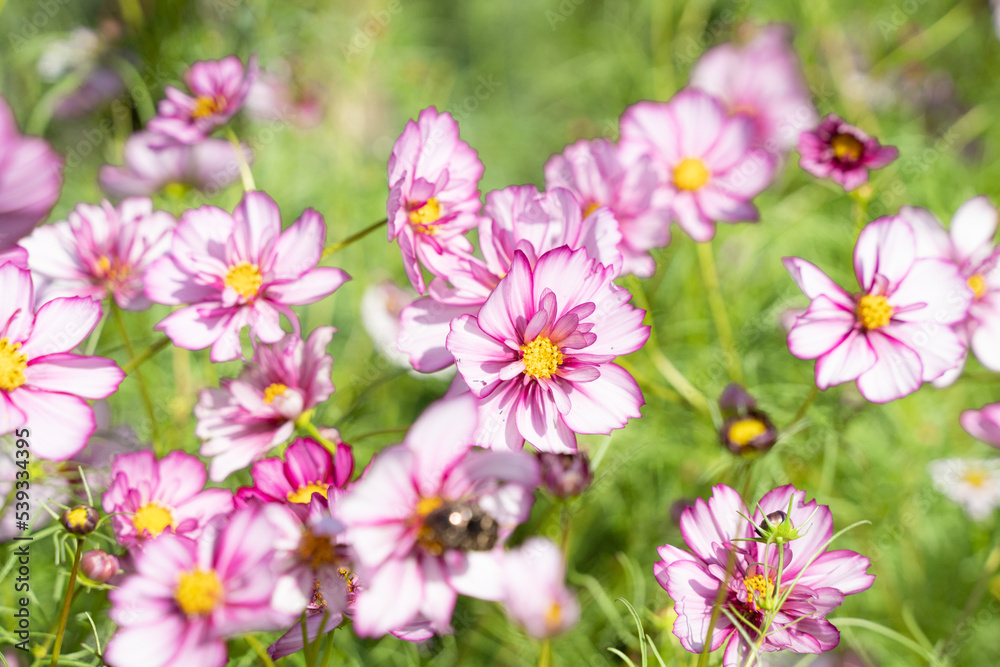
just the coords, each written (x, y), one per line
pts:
(175, 190)
(273, 391)
(245, 278)
(847, 146)
(304, 493)
(12, 365)
(553, 617)
(745, 431)
(425, 216)
(198, 592)
(975, 477)
(106, 270)
(759, 590)
(427, 505)
(77, 517)
(591, 207)
(152, 518)
(206, 106)
(317, 550)
(690, 174)
(541, 358)
(978, 285)
(874, 311)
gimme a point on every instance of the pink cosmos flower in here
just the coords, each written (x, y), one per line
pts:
(155, 497)
(247, 416)
(897, 332)
(43, 385)
(538, 355)
(983, 424)
(219, 88)
(707, 167)
(969, 245)
(17, 256)
(187, 597)
(761, 80)
(428, 520)
(784, 599)
(536, 594)
(433, 193)
(308, 469)
(239, 270)
(30, 180)
(100, 251)
(209, 166)
(842, 152)
(596, 174)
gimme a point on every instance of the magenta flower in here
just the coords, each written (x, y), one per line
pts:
(100, 251)
(239, 270)
(209, 166)
(536, 595)
(219, 88)
(707, 167)
(43, 385)
(155, 497)
(842, 152)
(761, 80)
(308, 469)
(897, 332)
(187, 597)
(782, 600)
(433, 193)
(983, 424)
(30, 180)
(538, 355)
(428, 520)
(595, 172)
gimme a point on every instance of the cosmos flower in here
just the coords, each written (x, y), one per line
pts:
(42, 384)
(428, 520)
(100, 251)
(244, 418)
(745, 431)
(239, 270)
(538, 357)
(536, 594)
(308, 468)
(150, 497)
(707, 167)
(783, 601)
(842, 152)
(186, 597)
(433, 193)
(983, 424)
(30, 180)
(219, 88)
(973, 484)
(897, 332)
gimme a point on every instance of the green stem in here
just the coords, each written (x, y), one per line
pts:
(64, 614)
(677, 380)
(241, 159)
(143, 389)
(136, 361)
(545, 655)
(334, 247)
(305, 423)
(804, 408)
(95, 337)
(888, 633)
(975, 597)
(720, 598)
(138, 90)
(718, 307)
(259, 649)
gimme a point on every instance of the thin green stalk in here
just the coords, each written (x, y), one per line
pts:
(138, 89)
(136, 361)
(64, 614)
(718, 307)
(888, 633)
(259, 649)
(720, 597)
(305, 423)
(975, 597)
(95, 336)
(334, 247)
(804, 408)
(241, 159)
(143, 389)
(545, 655)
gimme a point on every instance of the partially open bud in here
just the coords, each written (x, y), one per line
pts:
(748, 434)
(775, 528)
(80, 520)
(98, 565)
(565, 475)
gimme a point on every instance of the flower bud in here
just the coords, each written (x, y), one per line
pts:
(98, 565)
(735, 400)
(565, 475)
(748, 434)
(80, 520)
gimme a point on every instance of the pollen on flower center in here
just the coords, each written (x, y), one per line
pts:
(106, 270)
(690, 174)
(78, 517)
(590, 208)
(847, 147)
(12, 365)
(427, 505)
(744, 431)
(245, 278)
(304, 494)
(759, 590)
(541, 358)
(207, 106)
(975, 477)
(424, 216)
(874, 311)
(152, 518)
(317, 550)
(274, 390)
(553, 617)
(978, 285)
(198, 591)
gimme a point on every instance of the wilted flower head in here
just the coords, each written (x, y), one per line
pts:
(973, 484)
(842, 152)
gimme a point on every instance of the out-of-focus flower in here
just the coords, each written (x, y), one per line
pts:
(47, 478)
(535, 590)
(746, 430)
(381, 306)
(784, 599)
(43, 385)
(208, 166)
(98, 565)
(983, 424)
(762, 80)
(308, 469)
(239, 270)
(897, 332)
(538, 356)
(973, 484)
(80, 520)
(30, 180)
(219, 88)
(187, 597)
(278, 95)
(708, 170)
(565, 475)
(99, 251)
(246, 417)
(433, 193)
(596, 174)
(318, 619)
(842, 152)
(79, 53)
(151, 497)
(428, 520)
